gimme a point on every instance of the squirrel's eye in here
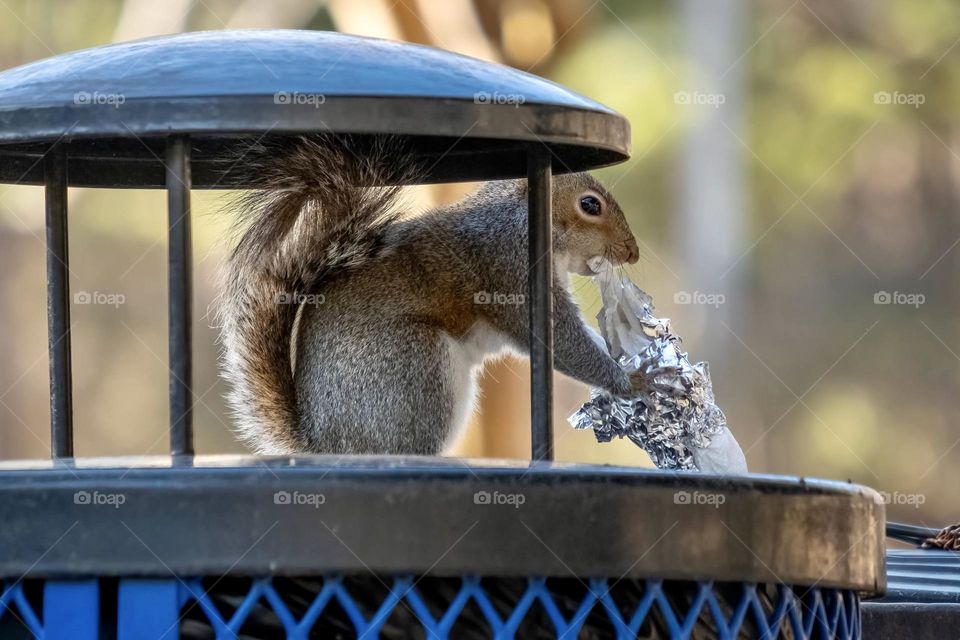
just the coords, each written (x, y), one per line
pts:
(590, 205)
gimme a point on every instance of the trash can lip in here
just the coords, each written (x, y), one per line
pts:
(403, 515)
(428, 466)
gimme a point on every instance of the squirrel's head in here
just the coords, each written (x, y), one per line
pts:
(588, 222)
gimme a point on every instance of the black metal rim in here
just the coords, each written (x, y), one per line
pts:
(459, 140)
(442, 517)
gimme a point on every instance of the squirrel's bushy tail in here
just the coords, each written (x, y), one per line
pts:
(313, 212)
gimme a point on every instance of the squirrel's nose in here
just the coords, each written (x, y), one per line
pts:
(633, 251)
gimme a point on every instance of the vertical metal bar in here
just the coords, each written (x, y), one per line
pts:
(539, 189)
(58, 303)
(180, 285)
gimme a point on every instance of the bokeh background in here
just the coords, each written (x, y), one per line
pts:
(795, 187)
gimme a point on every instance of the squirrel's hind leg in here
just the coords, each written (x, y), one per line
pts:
(383, 387)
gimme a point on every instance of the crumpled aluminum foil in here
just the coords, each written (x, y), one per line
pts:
(677, 423)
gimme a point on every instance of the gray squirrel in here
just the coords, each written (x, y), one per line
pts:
(350, 329)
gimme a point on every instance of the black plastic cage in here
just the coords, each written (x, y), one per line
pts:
(317, 546)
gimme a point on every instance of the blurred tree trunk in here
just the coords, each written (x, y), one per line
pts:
(374, 18)
(506, 389)
(8, 424)
(939, 188)
(712, 217)
(288, 14)
(24, 420)
(144, 18)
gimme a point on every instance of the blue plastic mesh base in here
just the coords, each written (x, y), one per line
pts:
(410, 607)
(21, 610)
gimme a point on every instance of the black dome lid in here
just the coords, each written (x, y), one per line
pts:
(113, 104)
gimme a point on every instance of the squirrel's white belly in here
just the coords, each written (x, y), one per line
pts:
(467, 356)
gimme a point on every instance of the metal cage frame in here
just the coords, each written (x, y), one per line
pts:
(47, 122)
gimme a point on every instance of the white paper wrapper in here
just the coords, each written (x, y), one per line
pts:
(677, 423)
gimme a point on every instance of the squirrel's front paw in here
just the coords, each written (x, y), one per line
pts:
(642, 382)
